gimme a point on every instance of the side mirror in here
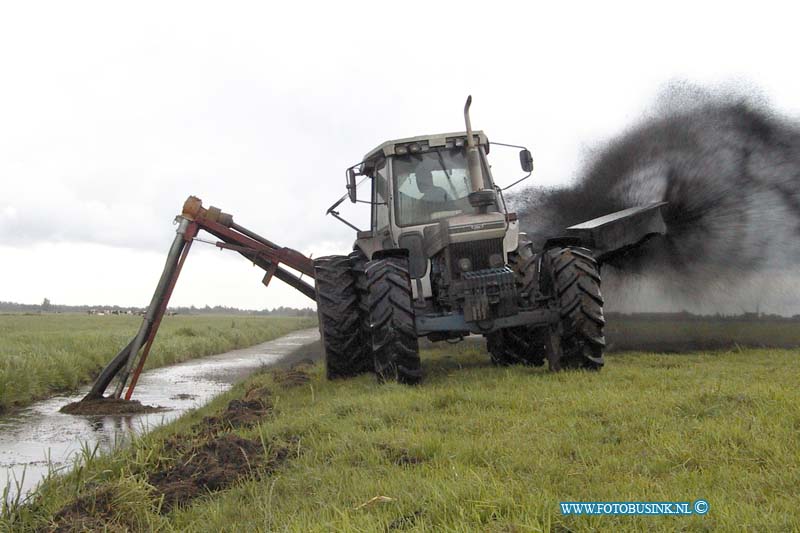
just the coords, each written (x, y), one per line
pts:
(351, 184)
(526, 160)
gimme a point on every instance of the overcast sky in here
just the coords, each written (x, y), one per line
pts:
(111, 114)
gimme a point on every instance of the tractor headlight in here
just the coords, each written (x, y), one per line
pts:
(496, 261)
(465, 264)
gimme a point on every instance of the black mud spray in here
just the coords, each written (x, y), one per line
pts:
(729, 166)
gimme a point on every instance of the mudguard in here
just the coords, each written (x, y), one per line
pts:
(620, 231)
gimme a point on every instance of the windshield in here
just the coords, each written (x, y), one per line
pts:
(431, 186)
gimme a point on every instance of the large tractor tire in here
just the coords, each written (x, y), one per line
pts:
(395, 348)
(516, 346)
(520, 345)
(358, 267)
(575, 285)
(346, 352)
(524, 262)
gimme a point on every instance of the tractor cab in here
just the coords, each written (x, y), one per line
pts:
(434, 196)
(422, 183)
(422, 180)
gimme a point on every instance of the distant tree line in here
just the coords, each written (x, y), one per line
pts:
(223, 310)
(47, 307)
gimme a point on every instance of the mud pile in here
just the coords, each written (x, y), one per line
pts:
(240, 413)
(291, 377)
(209, 466)
(218, 458)
(108, 406)
(729, 166)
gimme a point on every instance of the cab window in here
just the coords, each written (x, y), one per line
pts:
(431, 186)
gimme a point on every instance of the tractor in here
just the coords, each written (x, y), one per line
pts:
(443, 259)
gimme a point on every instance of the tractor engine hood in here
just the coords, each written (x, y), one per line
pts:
(464, 228)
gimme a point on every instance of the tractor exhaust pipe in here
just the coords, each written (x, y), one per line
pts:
(480, 197)
(473, 156)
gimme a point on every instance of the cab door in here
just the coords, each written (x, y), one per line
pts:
(381, 223)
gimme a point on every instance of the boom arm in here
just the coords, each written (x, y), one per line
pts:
(194, 217)
(618, 232)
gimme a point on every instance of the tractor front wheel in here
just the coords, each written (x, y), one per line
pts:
(339, 322)
(578, 341)
(358, 266)
(393, 333)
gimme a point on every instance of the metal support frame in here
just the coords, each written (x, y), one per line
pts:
(188, 236)
(262, 252)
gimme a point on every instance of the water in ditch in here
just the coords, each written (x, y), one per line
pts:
(39, 438)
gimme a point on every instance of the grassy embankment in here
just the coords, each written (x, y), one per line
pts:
(473, 448)
(45, 354)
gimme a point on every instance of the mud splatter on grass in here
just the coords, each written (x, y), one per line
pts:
(216, 458)
(119, 505)
(400, 456)
(240, 413)
(296, 375)
(209, 466)
(109, 406)
(90, 512)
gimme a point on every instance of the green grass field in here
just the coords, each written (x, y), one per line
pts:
(45, 354)
(474, 448)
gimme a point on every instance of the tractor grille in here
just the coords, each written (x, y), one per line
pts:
(478, 253)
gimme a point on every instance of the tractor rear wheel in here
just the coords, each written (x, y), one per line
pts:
(521, 345)
(575, 285)
(395, 348)
(338, 313)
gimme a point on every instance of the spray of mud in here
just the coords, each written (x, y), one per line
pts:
(729, 166)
